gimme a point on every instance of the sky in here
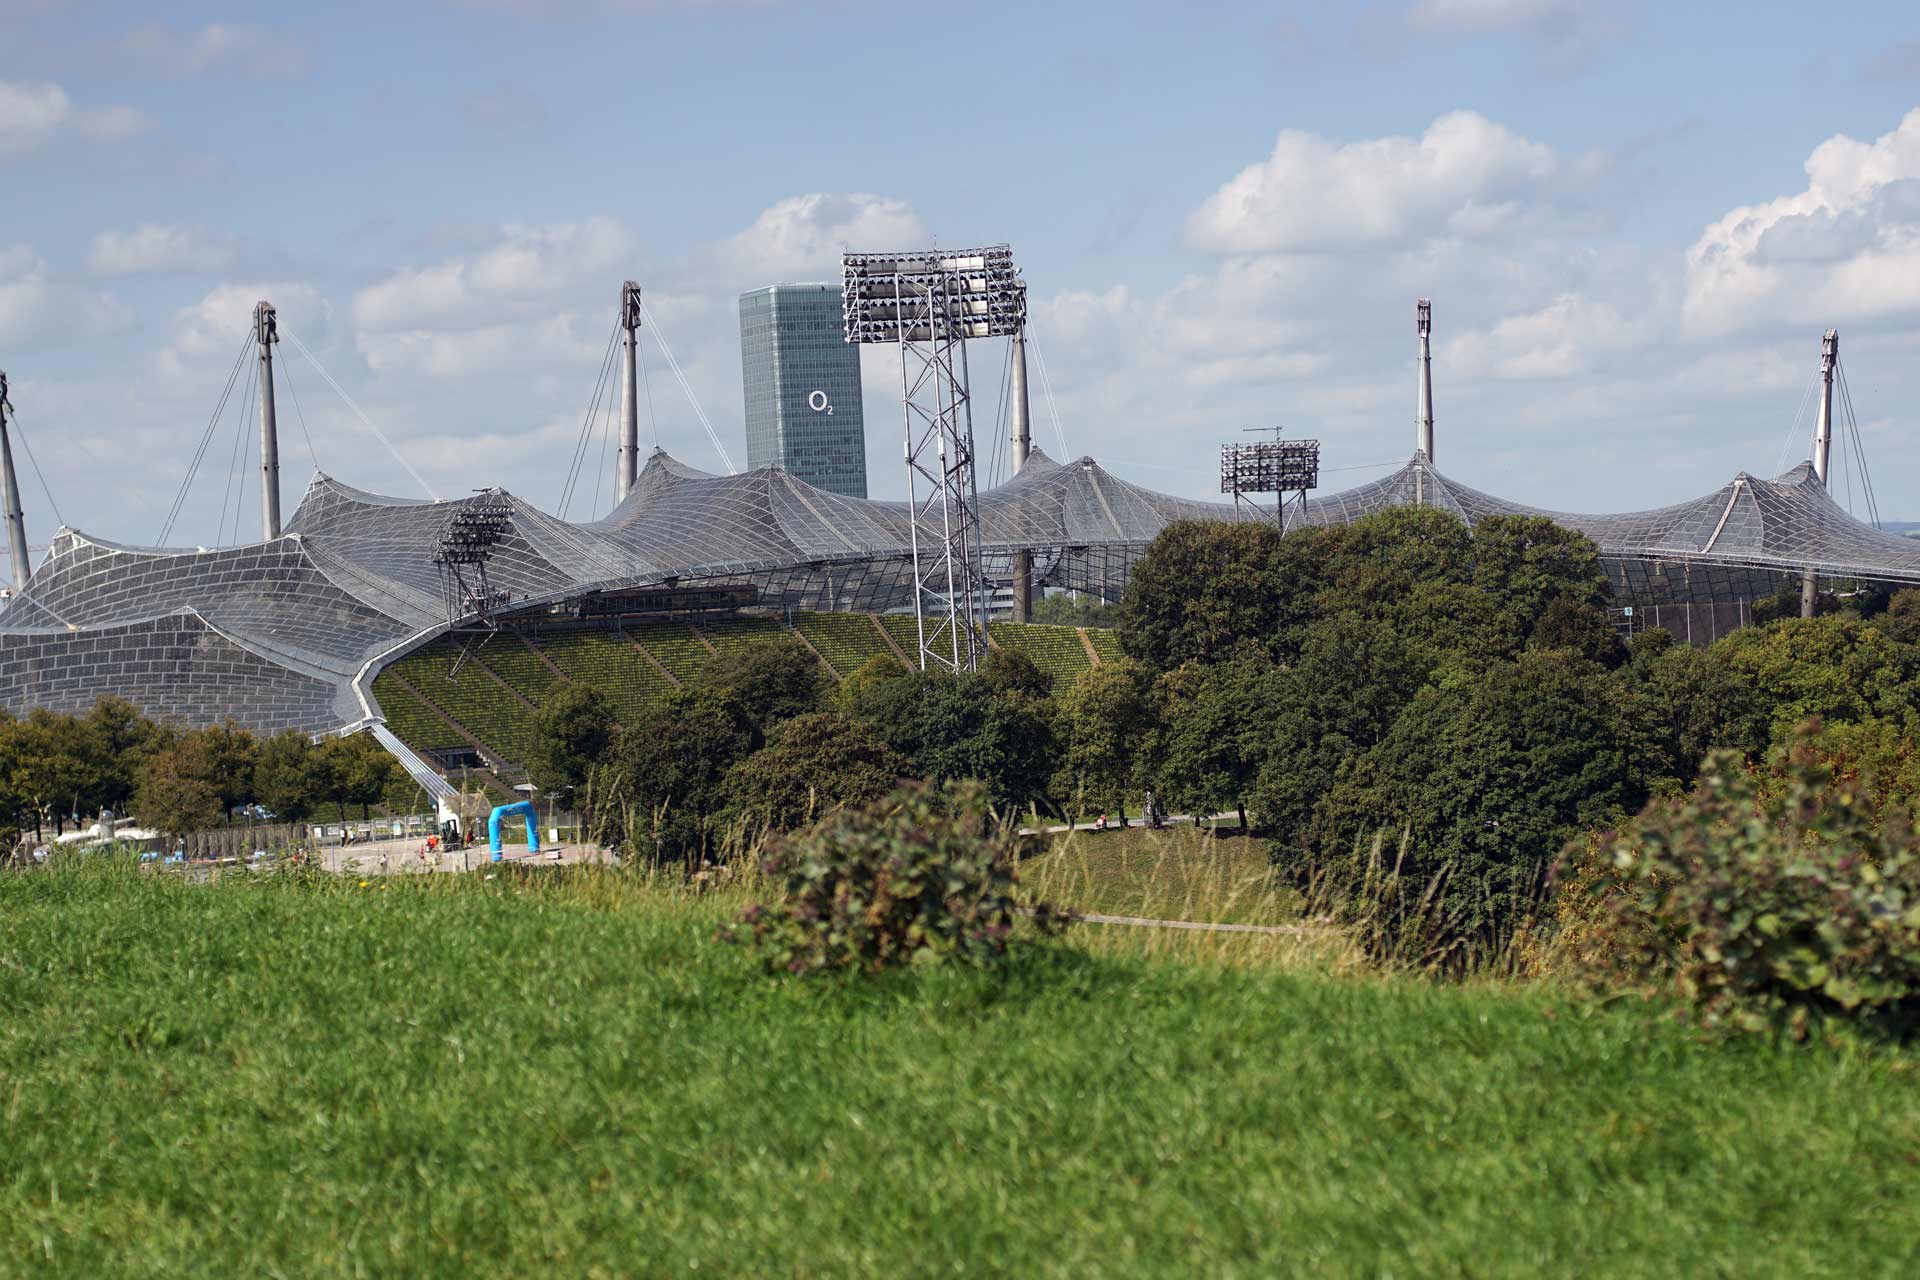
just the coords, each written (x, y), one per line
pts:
(1634, 221)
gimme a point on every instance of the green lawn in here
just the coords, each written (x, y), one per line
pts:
(561, 1075)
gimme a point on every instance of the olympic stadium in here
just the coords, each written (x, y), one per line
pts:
(297, 631)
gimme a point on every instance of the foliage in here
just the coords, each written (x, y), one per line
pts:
(922, 877)
(814, 764)
(177, 792)
(1341, 697)
(1202, 590)
(1791, 910)
(1213, 724)
(1901, 620)
(959, 726)
(1473, 792)
(283, 776)
(1579, 627)
(1831, 668)
(672, 765)
(1009, 671)
(571, 733)
(771, 679)
(1105, 721)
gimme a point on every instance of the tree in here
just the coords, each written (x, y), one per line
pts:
(1901, 621)
(330, 773)
(283, 777)
(771, 679)
(1344, 694)
(1579, 627)
(1832, 669)
(1214, 724)
(572, 732)
(1009, 671)
(815, 763)
(1105, 720)
(230, 752)
(177, 793)
(1203, 590)
(672, 769)
(1526, 563)
(1475, 789)
(117, 740)
(369, 770)
(52, 767)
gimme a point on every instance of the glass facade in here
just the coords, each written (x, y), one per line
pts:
(802, 380)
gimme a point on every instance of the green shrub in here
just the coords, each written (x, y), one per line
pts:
(1789, 907)
(922, 877)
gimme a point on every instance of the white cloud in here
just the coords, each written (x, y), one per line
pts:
(30, 115)
(530, 271)
(804, 236)
(206, 335)
(38, 308)
(151, 249)
(1847, 247)
(1558, 340)
(1465, 176)
(166, 53)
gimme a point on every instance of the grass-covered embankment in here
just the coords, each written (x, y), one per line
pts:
(460, 1076)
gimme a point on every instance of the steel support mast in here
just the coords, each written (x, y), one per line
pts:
(628, 464)
(1822, 445)
(1022, 446)
(266, 332)
(1423, 403)
(16, 519)
(927, 305)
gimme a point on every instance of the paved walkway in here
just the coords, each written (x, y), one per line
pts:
(1135, 823)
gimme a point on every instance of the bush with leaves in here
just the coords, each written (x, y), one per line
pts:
(1793, 909)
(925, 876)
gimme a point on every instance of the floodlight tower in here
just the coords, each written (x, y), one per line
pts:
(628, 463)
(1279, 467)
(16, 519)
(266, 332)
(1022, 446)
(467, 541)
(928, 304)
(1822, 443)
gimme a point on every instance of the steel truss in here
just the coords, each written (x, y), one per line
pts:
(928, 305)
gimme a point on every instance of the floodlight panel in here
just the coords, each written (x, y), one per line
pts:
(928, 296)
(1287, 466)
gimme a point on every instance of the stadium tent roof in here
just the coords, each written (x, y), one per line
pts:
(289, 632)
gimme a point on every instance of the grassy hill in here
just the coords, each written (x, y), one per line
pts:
(435, 699)
(543, 1075)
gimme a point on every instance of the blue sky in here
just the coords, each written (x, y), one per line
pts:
(1224, 212)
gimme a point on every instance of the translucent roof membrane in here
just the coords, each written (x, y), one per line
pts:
(288, 633)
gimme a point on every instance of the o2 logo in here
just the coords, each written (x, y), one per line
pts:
(818, 402)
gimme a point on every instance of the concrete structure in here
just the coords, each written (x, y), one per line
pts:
(802, 381)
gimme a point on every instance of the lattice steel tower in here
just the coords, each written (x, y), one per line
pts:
(928, 304)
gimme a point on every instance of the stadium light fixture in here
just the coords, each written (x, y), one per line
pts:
(928, 303)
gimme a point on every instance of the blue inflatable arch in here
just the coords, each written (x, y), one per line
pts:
(518, 809)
